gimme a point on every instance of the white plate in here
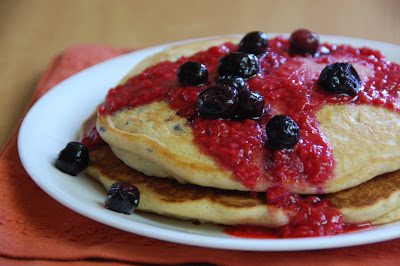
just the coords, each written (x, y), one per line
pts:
(55, 120)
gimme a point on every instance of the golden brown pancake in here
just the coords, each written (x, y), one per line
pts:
(185, 201)
(375, 201)
(370, 200)
(175, 179)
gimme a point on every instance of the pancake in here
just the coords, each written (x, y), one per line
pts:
(170, 198)
(376, 201)
(154, 140)
(185, 201)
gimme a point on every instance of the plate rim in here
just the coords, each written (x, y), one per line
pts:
(343, 240)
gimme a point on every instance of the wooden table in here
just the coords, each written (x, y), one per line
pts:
(33, 31)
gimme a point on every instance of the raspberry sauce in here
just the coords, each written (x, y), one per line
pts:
(92, 139)
(251, 231)
(289, 86)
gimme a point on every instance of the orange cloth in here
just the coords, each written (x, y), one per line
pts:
(37, 230)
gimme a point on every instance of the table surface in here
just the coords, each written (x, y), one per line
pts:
(32, 32)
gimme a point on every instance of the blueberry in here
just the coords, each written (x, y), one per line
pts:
(254, 42)
(238, 64)
(236, 82)
(217, 101)
(192, 73)
(122, 197)
(73, 158)
(251, 104)
(340, 78)
(282, 132)
(303, 42)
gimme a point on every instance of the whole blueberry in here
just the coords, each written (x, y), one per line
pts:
(238, 64)
(282, 132)
(254, 42)
(251, 104)
(217, 101)
(235, 82)
(192, 73)
(73, 158)
(303, 42)
(340, 78)
(122, 197)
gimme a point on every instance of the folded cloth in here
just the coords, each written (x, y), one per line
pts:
(37, 230)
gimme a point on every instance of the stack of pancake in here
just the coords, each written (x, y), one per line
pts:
(152, 147)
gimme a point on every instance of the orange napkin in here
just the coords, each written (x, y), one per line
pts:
(36, 230)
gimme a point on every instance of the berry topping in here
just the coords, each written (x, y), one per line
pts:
(192, 73)
(239, 64)
(92, 139)
(303, 42)
(340, 78)
(73, 158)
(218, 101)
(282, 132)
(122, 197)
(251, 104)
(235, 82)
(255, 42)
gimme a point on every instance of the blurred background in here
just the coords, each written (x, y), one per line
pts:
(32, 32)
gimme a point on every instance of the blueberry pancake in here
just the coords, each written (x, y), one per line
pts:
(280, 132)
(376, 201)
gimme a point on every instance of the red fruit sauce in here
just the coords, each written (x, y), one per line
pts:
(309, 216)
(289, 86)
(92, 139)
(251, 231)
